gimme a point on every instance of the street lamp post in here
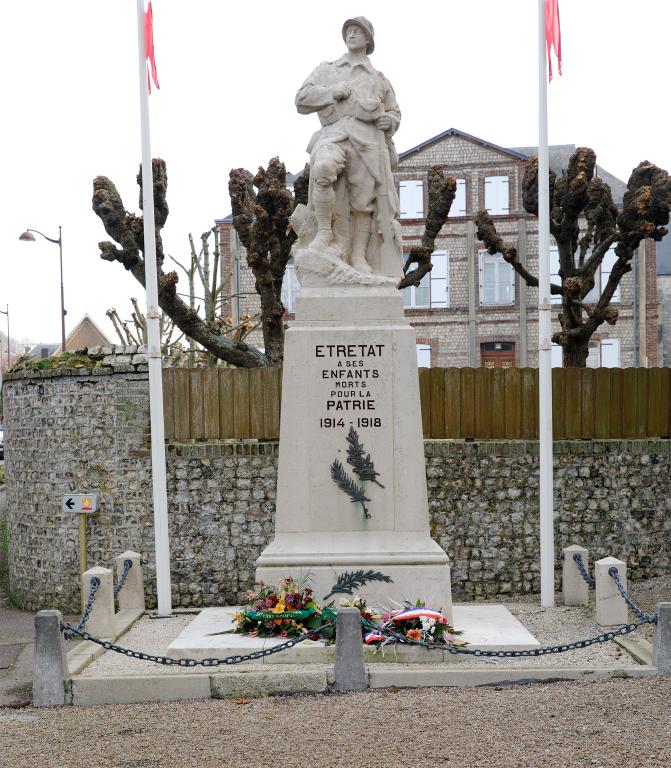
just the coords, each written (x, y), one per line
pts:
(6, 312)
(28, 235)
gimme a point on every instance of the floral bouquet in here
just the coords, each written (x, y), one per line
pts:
(288, 610)
(417, 622)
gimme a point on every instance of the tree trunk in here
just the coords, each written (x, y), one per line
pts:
(576, 356)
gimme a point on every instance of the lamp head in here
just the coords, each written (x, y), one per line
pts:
(27, 236)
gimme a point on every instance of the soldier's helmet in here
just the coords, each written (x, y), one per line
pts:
(366, 26)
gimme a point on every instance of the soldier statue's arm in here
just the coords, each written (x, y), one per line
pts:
(315, 93)
(391, 108)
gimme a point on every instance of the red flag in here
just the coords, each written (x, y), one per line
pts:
(149, 47)
(552, 33)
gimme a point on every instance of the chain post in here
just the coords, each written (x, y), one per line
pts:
(100, 617)
(130, 588)
(611, 609)
(575, 577)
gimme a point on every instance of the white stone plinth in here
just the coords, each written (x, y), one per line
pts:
(350, 362)
(100, 622)
(611, 610)
(131, 596)
(574, 587)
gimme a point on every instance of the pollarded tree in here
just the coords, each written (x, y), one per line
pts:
(578, 193)
(127, 230)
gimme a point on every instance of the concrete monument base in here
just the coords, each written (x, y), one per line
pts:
(351, 494)
(487, 627)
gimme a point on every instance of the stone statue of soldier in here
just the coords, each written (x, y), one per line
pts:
(352, 212)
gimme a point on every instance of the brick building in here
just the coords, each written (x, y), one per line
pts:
(472, 309)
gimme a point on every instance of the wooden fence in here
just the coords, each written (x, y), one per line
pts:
(478, 403)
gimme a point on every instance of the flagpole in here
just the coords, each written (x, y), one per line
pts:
(159, 493)
(544, 331)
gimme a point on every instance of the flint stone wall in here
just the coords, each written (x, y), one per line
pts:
(88, 430)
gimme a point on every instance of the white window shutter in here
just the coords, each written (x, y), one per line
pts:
(423, 355)
(439, 279)
(481, 283)
(610, 353)
(496, 195)
(459, 205)
(411, 198)
(554, 273)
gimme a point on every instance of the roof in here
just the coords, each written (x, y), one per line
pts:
(559, 155)
(51, 348)
(516, 154)
(89, 335)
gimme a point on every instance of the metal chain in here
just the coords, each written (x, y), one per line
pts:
(577, 557)
(94, 584)
(542, 651)
(642, 615)
(228, 660)
(127, 565)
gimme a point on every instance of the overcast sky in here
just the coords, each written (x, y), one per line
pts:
(229, 72)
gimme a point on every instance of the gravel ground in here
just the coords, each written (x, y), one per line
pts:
(577, 725)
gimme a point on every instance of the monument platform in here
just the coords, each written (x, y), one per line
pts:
(487, 627)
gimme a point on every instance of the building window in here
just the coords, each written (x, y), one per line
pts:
(411, 197)
(605, 269)
(290, 287)
(602, 354)
(459, 204)
(497, 280)
(497, 354)
(433, 290)
(423, 355)
(497, 200)
(600, 276)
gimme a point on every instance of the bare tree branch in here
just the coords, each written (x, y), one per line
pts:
(126, 229)
(441, 196)
(645, 213)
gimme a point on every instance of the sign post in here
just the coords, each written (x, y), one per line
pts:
(82, 504)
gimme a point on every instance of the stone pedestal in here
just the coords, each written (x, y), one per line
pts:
(350, 364)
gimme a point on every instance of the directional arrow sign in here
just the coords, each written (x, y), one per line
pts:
(79, 502)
